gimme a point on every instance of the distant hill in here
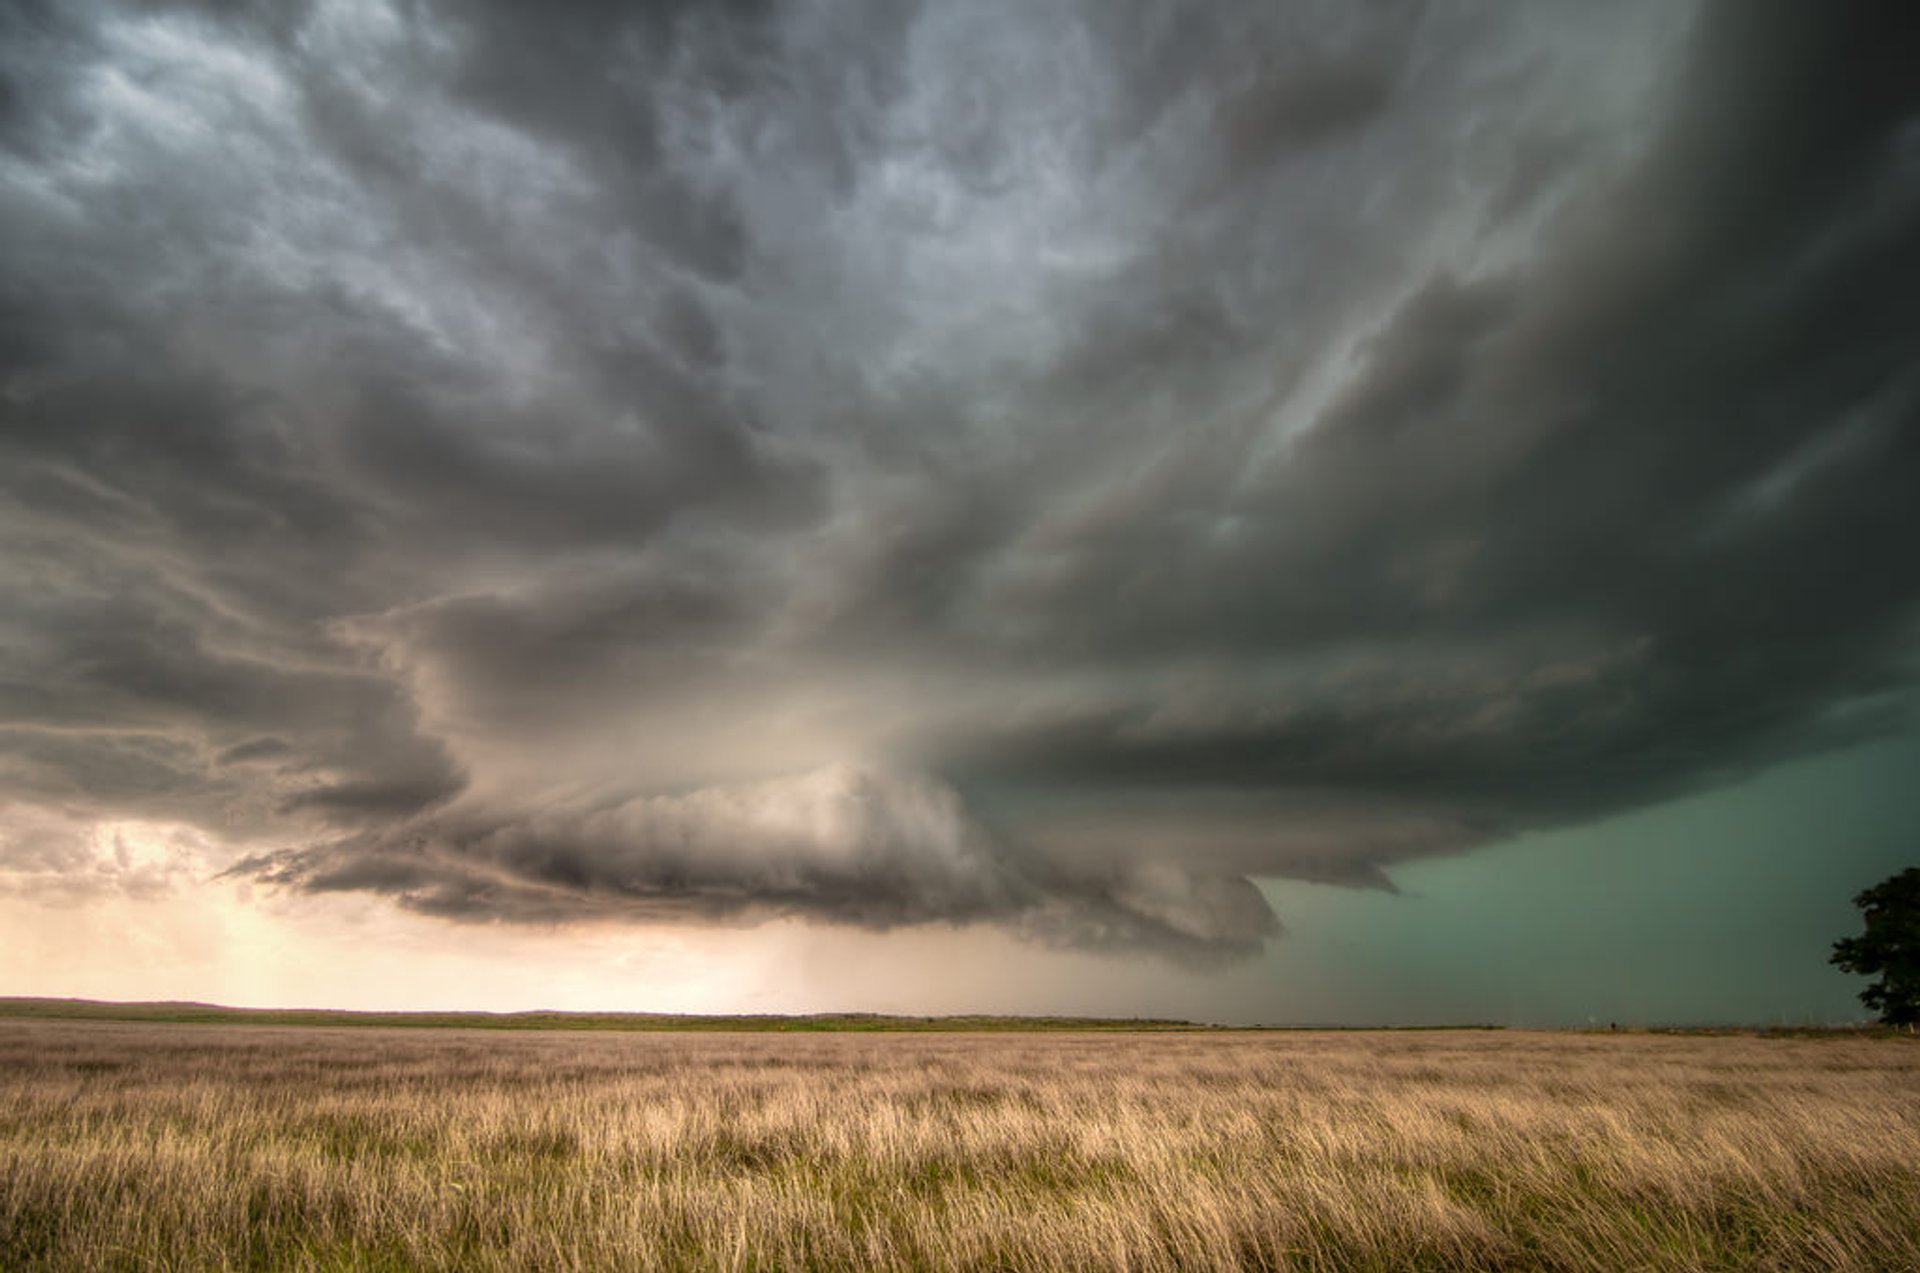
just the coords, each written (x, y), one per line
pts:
(207, 1013)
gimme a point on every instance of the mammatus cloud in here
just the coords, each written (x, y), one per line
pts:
(891, 464)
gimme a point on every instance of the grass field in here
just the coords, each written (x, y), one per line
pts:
(183, 1146)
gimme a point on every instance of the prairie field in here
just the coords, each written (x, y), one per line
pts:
(150, 1146)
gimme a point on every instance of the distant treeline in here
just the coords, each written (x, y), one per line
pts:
(207, 1013)
(868, 1022)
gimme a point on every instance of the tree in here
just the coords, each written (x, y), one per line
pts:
(1890, 947)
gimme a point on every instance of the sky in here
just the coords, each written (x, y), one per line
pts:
(1311, 512)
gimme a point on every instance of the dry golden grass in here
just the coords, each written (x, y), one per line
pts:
(206, 1147)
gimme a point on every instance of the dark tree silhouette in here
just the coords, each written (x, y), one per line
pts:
(1890, 947)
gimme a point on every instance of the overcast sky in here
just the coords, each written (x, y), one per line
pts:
(1090, 506)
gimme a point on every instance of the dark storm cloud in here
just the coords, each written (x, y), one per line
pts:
(845, 844)
(1039, 465)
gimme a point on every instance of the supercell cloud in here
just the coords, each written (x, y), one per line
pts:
(1045, 465)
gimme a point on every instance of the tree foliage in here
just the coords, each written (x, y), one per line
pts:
(1889, 947)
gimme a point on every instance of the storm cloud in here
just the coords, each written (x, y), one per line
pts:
(1045, 465)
